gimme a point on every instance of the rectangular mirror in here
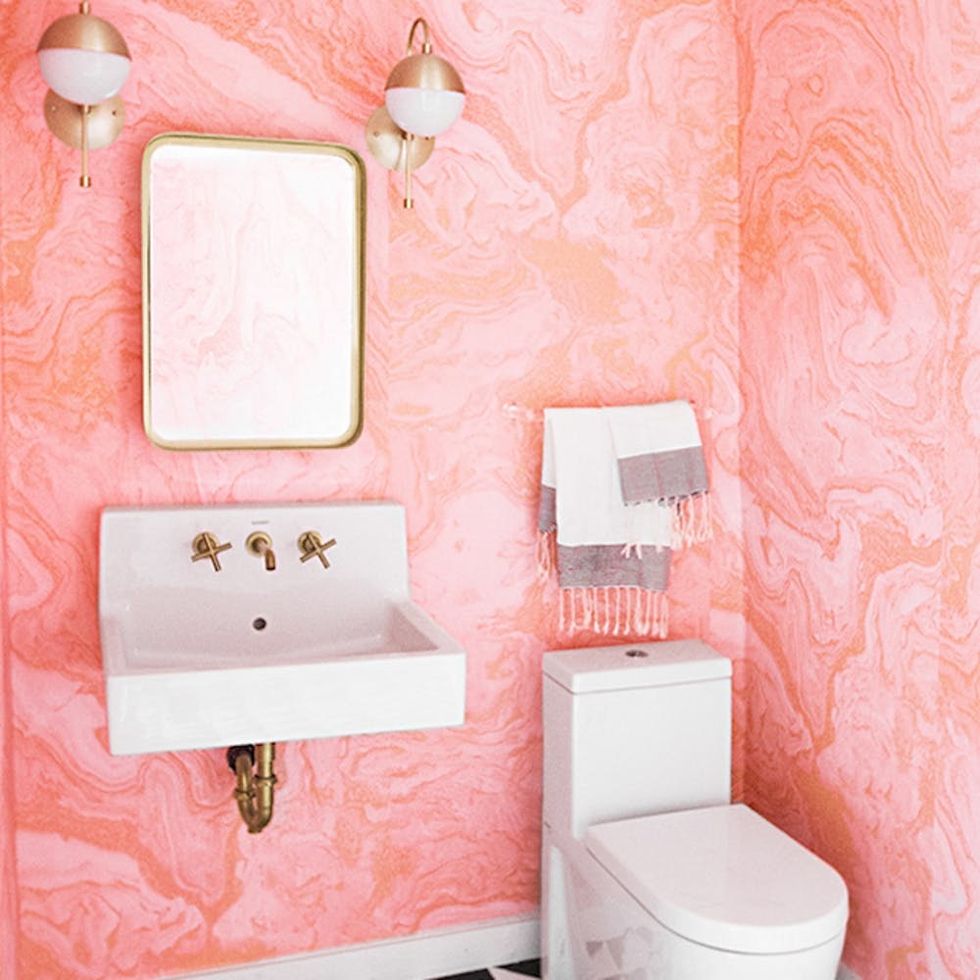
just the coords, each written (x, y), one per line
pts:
(253, 293)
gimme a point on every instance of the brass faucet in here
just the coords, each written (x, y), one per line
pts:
(312, 546)
(254, 790)
(259, 543)
(206, 545)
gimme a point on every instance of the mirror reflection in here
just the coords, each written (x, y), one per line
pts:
(253, 293)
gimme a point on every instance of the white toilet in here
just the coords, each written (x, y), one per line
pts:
(649, 872)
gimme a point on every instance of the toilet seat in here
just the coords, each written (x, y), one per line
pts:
(724, 877)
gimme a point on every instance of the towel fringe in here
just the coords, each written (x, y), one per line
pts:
(690, 520)
(547, 554)
(613, 610)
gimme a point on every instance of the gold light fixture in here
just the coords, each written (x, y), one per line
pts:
(424, 96)
(85, 61)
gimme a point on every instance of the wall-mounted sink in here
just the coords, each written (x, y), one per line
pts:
(198, 658)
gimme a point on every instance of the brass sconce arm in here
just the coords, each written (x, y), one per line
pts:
(83, 107)
(424, 96)
(426, 42)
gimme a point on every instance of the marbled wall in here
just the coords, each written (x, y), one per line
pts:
(8, 882)
(574, 242)
(956, 899)
(859, 336)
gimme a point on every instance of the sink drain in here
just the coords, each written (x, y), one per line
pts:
(259, 623)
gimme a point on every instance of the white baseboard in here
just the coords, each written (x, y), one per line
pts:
(844, 972)
(419, 957)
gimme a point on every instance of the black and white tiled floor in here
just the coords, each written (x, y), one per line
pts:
(513, 971)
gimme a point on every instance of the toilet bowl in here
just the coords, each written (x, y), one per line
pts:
(649, 872)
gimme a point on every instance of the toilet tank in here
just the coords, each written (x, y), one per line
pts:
(635, 729)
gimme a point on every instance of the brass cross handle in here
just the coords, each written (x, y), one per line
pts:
(206, 545)
(313, 546)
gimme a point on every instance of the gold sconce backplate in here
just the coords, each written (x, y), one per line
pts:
(105, 120)
(388, 144)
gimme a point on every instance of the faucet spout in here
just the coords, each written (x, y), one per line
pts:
(259, 543)
(270, 558)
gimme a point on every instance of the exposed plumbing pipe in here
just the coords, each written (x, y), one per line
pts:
(254, 790)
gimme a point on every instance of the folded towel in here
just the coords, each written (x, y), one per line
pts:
(660, 458)
(610, 509)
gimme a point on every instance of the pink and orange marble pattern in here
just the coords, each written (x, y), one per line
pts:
(859, 331)
(605, 224)
(574, 242)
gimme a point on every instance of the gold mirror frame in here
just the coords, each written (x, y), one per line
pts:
(194, 140)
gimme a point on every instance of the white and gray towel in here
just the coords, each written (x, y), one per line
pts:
(619, 488)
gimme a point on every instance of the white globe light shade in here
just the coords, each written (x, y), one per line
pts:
(424, 111)
(83, 77)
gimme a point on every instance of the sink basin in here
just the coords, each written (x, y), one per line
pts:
(198, 658)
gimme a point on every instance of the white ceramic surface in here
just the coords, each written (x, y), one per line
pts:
(633, 736)
(725, 877)
(635, 665)
(596, 929)
(645, 735)
(195, 658)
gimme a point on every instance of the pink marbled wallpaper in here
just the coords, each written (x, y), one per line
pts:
(859, 450)
(956, 902)
(574, 241)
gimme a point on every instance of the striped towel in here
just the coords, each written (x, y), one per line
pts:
(620, 487)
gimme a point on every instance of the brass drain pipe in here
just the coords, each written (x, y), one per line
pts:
(254, 791)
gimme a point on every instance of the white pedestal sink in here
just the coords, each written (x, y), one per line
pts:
(198, 658)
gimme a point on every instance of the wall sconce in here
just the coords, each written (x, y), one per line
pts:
(85, 61)
(424, 96)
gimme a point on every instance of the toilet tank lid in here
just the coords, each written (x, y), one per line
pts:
(725, 877)
(633, 665)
